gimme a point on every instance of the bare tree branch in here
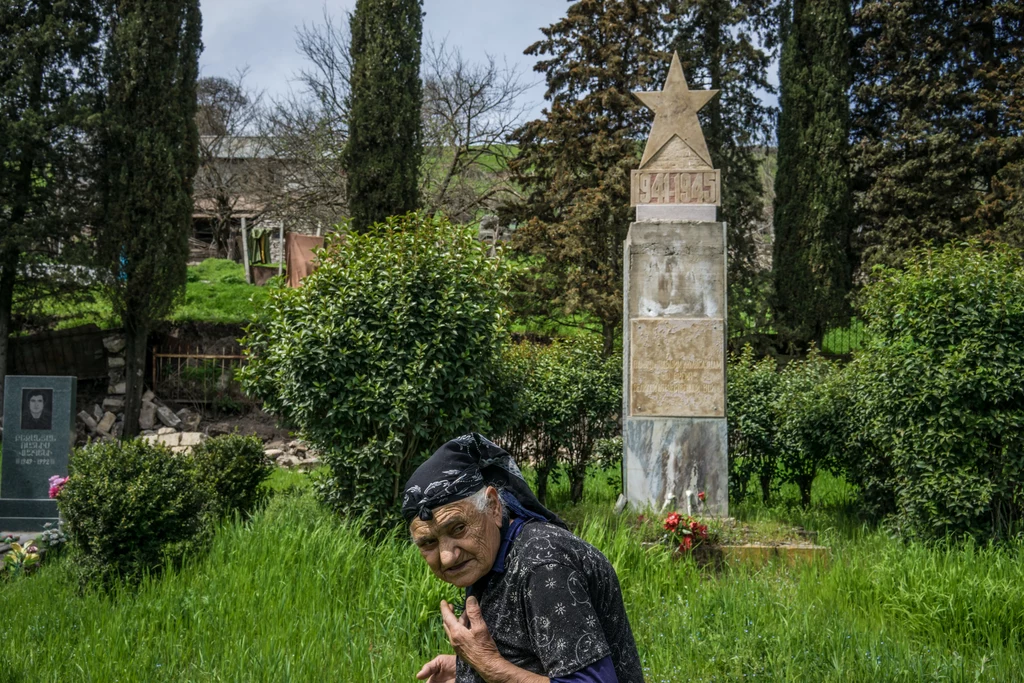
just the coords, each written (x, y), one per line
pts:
(233, 163)
(469, 112)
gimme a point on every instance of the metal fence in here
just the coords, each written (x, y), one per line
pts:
(838, 341)
(199, 376)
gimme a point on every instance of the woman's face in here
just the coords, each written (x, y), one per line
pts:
(461, 542)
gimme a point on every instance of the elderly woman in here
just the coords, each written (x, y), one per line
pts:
(541, 604)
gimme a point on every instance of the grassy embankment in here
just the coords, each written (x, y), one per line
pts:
(296, 595)
(215, 292)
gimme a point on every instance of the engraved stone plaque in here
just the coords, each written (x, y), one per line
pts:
(677, 367)
(39, 432)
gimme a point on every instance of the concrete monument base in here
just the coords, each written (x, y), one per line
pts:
(667, 457)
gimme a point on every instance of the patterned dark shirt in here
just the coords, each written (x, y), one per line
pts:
(553, 606)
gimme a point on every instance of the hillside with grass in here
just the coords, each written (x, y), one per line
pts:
(216, 292)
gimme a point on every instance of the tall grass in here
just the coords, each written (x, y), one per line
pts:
(296, 595)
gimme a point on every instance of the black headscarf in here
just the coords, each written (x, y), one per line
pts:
(459, 469)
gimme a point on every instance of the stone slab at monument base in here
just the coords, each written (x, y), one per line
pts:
(664, 457)
(27, 515)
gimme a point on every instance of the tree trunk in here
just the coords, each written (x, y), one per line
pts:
(608, 337)
(577, 477)
(234, 252)
(543, 472)
(8, 275)
(137, 338)
(222, 235)
(766, 488)
(805, 490)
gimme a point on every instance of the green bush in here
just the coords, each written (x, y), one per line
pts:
(512, 411)
(129, 507)
(784, 426)
(389, 349)
(753, 430)
(231, 469)
(940, 400)
(570, 397)
(809, 408)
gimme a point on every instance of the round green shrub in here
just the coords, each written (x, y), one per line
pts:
(232, 469)
(939, 400)
(129, 506)
(387, 350)
(809, 409)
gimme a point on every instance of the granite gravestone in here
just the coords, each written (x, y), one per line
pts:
(674, 334)
(39, 431)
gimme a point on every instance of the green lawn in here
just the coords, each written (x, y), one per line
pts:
(296, 595)
(215, 292)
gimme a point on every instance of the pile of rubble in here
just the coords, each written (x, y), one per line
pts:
(156, 420)
(180, 431)
(292, 454)
(107, 421)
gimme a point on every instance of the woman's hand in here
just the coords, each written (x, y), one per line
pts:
(440, 669)
(469, 635)
(474, 644)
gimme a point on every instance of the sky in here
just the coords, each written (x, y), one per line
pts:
(260, 35)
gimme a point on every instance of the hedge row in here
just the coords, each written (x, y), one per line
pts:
(928, 419)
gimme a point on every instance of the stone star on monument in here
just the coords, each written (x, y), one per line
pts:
(675, 110)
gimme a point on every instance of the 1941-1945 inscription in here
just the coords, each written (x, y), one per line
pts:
(675, 187)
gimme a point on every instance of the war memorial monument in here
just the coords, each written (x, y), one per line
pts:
(674, 328)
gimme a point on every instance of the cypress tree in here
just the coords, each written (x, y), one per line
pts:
(384, 149)
(574, 164)
(48, 88)
(812, 196)
(937, 123)
(728, 45)
(150, 143)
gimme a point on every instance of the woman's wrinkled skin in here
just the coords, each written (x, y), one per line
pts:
(461, 542)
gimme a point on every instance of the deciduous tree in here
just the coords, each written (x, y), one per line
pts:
(234, 165)
(469, 112)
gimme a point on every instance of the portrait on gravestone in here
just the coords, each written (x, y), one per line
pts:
(39, 433)
(37, 409)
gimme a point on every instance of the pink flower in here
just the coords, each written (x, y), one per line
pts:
(57, 484)
(672, 521)
(702, 496)
(686, 544)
